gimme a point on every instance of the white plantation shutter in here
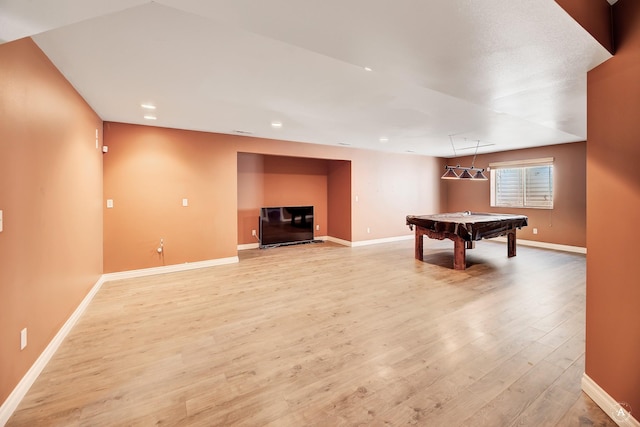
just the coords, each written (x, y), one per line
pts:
(522, 184)
(509, 187)
(538, 187)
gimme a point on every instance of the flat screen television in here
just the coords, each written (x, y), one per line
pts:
(285, 225)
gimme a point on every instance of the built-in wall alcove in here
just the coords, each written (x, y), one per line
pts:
(271, 180)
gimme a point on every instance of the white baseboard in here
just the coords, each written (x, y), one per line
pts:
(608, 404)
(544, 245)
(246, 246)
(169, 268)
(384, 240)
(338, 241)
(18, 393)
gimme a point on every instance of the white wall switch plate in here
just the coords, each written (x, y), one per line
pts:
(23, 338)
(0, 220)
(109, 203)
(185, 202)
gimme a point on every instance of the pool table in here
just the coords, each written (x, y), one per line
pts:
(464, 228)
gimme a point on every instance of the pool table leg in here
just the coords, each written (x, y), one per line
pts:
(459, 253)
(419, 243)
(511, 243)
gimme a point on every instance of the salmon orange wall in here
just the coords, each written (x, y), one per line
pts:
(297, 181)
(279, 181)
(594, 16)
(50, 195)
(565, 224)
(613, 214)
(339, 206)
(384, 187)
(388, 187)
(250, 195)
(148, 171)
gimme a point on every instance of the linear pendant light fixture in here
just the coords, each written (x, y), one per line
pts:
(464, 173)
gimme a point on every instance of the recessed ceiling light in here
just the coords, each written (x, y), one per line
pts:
(150, 117)
(148, 106)
(384, 139)
(367, 69)
(276, 125)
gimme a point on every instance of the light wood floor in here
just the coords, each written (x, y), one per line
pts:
(326, 335)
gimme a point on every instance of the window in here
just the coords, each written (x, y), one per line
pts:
(522, 184)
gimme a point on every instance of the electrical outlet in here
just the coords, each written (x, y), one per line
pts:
(318, 227)
(253, 233)
(368, 230)
(535, 231)
(23, 338)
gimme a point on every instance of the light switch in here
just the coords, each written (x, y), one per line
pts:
(0, 221)
(23, 338)
(109, 203)
(185, 202)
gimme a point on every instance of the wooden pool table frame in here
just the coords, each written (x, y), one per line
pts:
(464, 228)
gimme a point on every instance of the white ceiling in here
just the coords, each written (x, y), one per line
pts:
(508, 73)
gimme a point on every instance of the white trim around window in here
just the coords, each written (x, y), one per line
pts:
(522, 183)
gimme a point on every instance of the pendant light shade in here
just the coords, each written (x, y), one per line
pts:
(465, 174)
(479, 176)
(450, 174)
